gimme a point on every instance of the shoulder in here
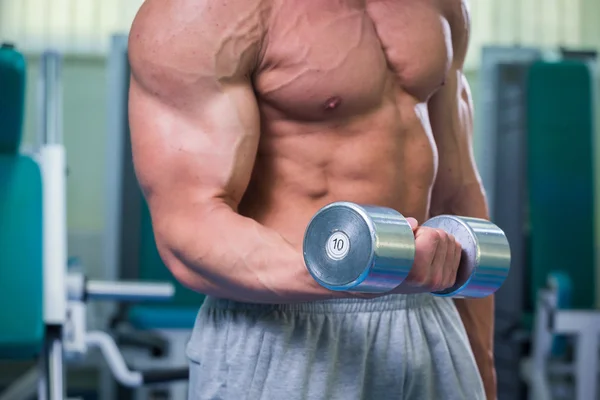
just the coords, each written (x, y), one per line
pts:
(458, 15)
(193, 37)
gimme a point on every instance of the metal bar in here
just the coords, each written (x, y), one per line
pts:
(542, 340)
(576, 321)
(539, 386)
(129, 291)
(50, 99)
(53, 168)
(123, 198)
(586, 363)
(56, 371)
(53, 367)
(114, 359)
(53, 165)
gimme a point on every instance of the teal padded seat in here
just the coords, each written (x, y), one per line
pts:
(21, 268)
(179, 313)
(173, 317)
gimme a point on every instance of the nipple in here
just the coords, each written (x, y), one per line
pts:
(332, 103)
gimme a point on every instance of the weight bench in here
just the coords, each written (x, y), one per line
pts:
(21, 262)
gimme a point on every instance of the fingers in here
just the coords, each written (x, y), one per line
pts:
(451, 264)
(437, 257)
(438, 275)
(414, 224)
(426, 243)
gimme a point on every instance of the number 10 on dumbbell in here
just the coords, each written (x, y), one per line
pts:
(369, 249)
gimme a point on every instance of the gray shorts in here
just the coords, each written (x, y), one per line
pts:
(394, 347)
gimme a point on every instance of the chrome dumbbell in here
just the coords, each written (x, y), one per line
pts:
(351, 247)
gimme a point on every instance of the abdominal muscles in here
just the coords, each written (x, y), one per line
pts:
(384, 158)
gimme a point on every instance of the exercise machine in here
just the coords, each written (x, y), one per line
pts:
(50, 323)
(566, 332)
(566, 348)
(536, 138)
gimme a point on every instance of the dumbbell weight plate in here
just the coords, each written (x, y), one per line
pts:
(485, 258)
(349, 247)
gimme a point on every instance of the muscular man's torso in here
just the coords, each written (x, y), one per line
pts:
(342, 89)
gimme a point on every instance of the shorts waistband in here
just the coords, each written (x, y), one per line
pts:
(385, 303)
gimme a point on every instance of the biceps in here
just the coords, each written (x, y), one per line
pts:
(190, 153)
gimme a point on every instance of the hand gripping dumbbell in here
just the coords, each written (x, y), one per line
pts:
(357, 248)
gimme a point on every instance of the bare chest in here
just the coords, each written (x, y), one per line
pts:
(324, 58)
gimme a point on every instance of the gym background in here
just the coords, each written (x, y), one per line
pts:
(507, 37)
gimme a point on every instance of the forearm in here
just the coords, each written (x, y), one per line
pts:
(221, 253)
(477, 314)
